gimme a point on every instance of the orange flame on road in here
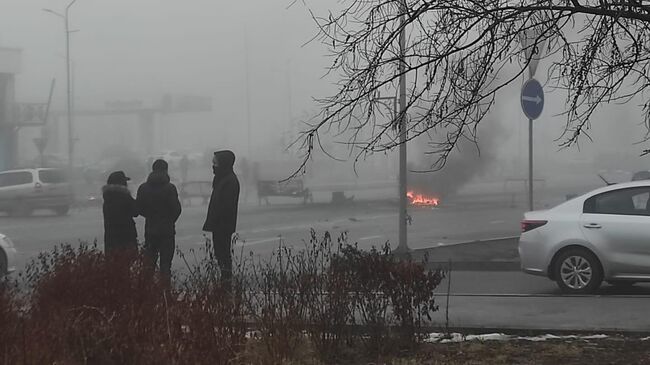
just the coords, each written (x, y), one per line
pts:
(421, 199)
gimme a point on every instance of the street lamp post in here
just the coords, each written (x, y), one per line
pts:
(402, 246)
(403, 205)
(69, 113)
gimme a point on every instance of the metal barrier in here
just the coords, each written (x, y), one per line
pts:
(195, 189)
(292, 188)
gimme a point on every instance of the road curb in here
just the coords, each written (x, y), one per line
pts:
(493, 254)
(476, 265)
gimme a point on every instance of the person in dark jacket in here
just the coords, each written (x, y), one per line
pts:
(221, 219)
(157, 201)
(119, 210)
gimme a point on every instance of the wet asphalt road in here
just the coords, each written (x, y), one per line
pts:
(261, 229)
(479, 299)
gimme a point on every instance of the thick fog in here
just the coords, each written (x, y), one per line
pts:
(254, 61)
(126, 51)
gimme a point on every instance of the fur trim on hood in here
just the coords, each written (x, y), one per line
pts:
(114, 188)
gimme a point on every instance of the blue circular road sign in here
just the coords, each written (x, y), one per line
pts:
(532, 99)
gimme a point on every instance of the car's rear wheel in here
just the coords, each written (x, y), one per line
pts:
(578, 271)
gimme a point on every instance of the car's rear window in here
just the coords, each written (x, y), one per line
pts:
(15, 178)
(629, 201)
(52, 176)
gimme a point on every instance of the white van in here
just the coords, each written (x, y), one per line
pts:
(23, 191)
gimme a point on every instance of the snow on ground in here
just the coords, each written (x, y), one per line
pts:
(458, 337)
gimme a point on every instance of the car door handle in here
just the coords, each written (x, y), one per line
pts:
(593, 225)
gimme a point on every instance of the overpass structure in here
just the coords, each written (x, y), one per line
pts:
(14, 115)
(146, 115)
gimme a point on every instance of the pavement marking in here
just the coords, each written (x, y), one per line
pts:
(318, 223)
(190, 237)
(243, 242)
(369, 238)
(497, 222)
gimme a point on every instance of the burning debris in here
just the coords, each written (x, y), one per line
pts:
(422, 200)
(466, 163)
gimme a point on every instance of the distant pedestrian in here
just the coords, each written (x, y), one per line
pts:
(184, 164)
(157, 201)
(221, 219)
(119, 209)
(244, 174)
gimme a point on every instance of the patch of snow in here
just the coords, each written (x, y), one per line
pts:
(457, 337)
(594, 337)
(489, 337)
(253, 334)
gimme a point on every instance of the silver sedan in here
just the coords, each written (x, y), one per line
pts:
(603, 235)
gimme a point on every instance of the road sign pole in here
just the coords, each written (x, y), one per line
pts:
(532, 104)
(530, 164)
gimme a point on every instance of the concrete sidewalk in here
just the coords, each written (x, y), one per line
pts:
(546, 313)
(520, 310)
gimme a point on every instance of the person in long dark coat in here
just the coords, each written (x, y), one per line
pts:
(157, 201)
(221, 219)
(119, 210)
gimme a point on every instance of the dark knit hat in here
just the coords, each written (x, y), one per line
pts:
(160, 165)
(117, 178)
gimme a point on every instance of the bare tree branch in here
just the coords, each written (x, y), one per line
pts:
(461, 54)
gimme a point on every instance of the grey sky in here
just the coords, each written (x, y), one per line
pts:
(127, 50)
(140, 49)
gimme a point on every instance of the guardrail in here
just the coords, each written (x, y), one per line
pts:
(195, 189)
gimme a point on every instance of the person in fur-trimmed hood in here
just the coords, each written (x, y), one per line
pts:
(119, 210)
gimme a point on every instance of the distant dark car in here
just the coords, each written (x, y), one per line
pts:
(641, 175)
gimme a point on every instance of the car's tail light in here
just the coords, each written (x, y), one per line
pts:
(529, 225)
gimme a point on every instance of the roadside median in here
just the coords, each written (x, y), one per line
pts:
(495, 254)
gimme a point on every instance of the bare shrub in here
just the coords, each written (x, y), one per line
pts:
(79, 306)
(276, 303)
(213, 311)
(11, 335)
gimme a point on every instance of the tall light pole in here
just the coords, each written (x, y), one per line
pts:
(248, 99)
(403, 206)
(69, 113)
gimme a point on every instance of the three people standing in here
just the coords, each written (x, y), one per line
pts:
(157, 201)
